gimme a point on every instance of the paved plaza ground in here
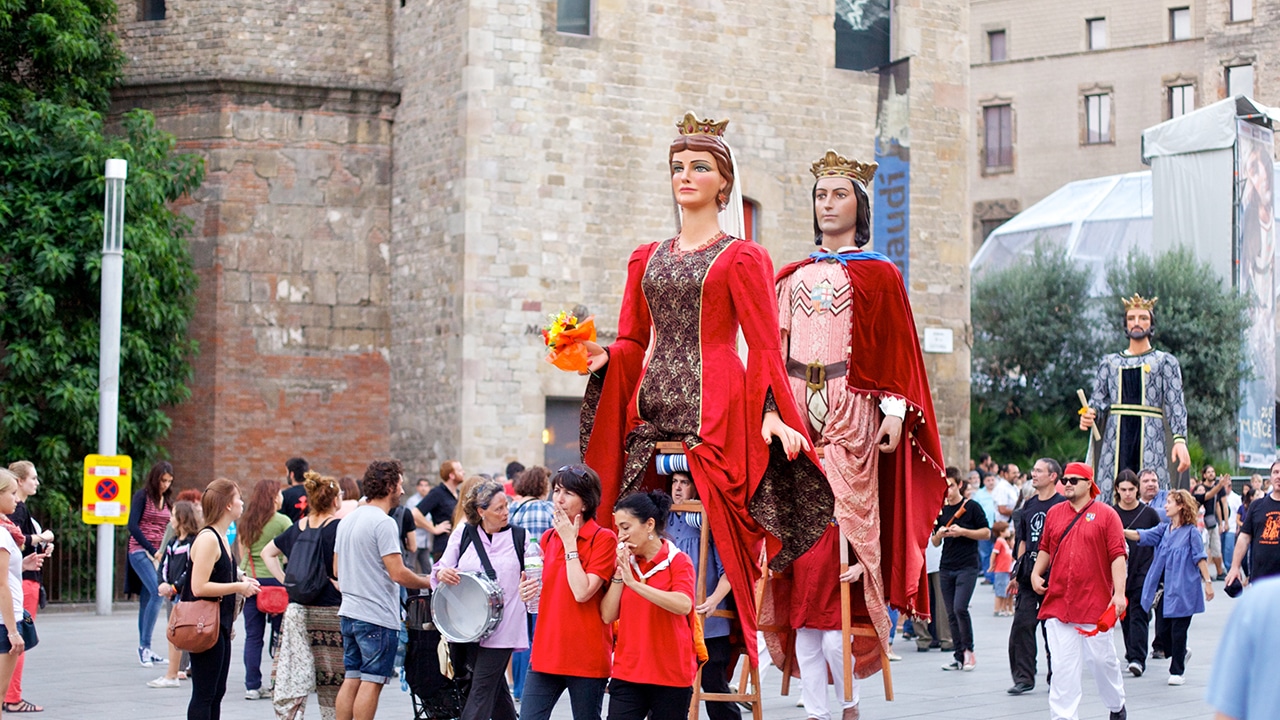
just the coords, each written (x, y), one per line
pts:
(86, 668)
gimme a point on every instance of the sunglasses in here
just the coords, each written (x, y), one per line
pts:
(1074, 480)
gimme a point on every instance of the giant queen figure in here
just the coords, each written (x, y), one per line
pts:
(674, 374)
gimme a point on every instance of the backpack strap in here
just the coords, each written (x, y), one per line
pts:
(471, 535)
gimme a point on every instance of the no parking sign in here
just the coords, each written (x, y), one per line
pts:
(107, 483)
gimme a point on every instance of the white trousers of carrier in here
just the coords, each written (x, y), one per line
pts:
(1071, 651)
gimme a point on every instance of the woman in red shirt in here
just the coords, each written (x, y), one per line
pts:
(572, 644)
(651, 596)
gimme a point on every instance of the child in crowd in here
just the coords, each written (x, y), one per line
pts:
(174, 564)
(1002, 565)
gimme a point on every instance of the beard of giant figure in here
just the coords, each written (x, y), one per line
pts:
(1139, 333)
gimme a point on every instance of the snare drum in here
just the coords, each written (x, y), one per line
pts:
(469, 611)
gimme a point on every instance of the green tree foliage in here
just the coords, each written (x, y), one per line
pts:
(57, 65)
(1034, 337)
(1027, 437)
(1202, 322)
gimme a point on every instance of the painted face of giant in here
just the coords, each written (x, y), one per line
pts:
(1137, 324)
(695, 179)
(835, 205)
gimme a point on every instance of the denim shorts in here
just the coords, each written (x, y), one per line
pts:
(368, 650)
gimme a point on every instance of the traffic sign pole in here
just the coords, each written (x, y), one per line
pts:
(109, 357)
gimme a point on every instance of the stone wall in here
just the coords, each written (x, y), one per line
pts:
(291, 245)
(562, 173)
(334, 43)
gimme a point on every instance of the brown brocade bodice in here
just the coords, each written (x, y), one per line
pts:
(670, 397)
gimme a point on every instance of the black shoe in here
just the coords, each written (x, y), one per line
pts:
(1020, 688)
(923, 648)
(1158, 655)
(1121, 714)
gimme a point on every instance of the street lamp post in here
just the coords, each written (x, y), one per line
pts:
(109, 357)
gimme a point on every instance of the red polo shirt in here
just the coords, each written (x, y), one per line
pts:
(571, 638)
(1080, 586)
(655, 647)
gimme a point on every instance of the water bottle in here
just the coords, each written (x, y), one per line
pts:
(533, 571)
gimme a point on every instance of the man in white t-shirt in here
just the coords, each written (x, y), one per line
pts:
(1232, 524)
(370, 569)
(1005, 494)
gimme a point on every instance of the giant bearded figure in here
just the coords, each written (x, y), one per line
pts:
(857, 373)
(1139, 389)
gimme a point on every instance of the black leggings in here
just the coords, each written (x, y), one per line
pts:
(636, 701)
(957, 591)
(209, 671)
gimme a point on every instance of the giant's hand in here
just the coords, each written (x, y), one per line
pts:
(597, 357)
(1086, 419)
(889, 434)
(1181, 456)
(793, 441)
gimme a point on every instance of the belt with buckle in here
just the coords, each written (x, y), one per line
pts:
(815, 374)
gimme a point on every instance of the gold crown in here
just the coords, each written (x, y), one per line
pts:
(1137, 302)
(833, 165)
(691, 125)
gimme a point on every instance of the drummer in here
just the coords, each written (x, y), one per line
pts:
(572, 645)
(486, 545)
(651, 597)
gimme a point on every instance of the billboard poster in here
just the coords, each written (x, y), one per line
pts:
(1256, 255)
(891, 207)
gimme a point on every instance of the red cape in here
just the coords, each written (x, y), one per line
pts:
(885, 361)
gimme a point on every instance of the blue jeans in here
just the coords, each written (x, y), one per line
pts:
(984, 557)
(542, 690)
(1228, 548)
(255, 630)
(149, 599)
(520, 661)
(368, 650)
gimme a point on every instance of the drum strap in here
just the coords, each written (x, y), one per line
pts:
(471, 535)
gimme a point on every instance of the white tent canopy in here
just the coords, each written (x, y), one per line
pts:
(1095, 221)
(1212, 127)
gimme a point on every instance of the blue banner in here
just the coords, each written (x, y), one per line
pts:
(891, 206)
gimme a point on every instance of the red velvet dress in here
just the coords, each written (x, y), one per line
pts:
(674, 374)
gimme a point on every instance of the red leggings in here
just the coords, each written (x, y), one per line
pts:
(31, 603)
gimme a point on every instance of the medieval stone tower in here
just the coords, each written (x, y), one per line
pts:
(399, 190)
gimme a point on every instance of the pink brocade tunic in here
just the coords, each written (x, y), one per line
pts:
(814, 307)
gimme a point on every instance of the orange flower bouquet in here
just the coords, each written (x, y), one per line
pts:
(566, 338)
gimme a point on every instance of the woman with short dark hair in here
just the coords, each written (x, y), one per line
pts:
(573, 646)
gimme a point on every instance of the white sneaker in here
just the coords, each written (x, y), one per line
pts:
(1176, 680)
(164, 682)
(253, 695)
(144, 657)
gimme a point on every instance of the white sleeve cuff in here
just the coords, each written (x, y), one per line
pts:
(893, 407)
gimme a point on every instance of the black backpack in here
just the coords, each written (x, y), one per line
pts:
(471, 535)
(305, 576)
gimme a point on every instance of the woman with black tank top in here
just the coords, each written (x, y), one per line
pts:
(214, 577)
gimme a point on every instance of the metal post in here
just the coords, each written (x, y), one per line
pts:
(109, 357)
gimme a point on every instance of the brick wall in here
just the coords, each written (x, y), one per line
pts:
(291, 244)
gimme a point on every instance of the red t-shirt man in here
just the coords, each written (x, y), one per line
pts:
(1080, 583)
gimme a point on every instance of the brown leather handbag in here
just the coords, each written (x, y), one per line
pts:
(194, 624)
